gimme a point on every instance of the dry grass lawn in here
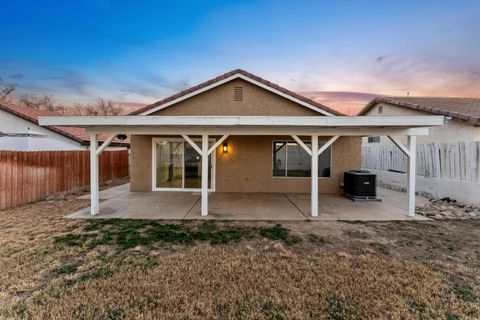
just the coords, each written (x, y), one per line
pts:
(52, 268)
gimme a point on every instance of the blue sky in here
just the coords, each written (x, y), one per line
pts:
(140, 51)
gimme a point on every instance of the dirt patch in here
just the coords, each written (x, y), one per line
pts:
(55, 268)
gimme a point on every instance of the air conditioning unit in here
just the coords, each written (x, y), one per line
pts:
(360, 185)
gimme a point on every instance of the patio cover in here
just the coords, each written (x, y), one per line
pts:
(205, 126)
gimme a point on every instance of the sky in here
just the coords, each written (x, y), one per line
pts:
(342, 52)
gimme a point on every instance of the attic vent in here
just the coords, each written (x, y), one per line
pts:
(238, 94)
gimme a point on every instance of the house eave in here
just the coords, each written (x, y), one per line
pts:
(244, 121)
(242, 125)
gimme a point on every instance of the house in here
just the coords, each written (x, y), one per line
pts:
(241, 133)
(20, 131)
(464, 113)
(449, 163)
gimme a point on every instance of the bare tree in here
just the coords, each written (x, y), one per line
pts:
(102, 108)
(77, 109)
(6, 90)
(43, 102)
(46, 102)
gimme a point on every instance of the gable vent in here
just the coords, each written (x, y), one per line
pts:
(238, 94)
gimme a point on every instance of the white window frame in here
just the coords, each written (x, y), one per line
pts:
(286, 160)
(154, 165)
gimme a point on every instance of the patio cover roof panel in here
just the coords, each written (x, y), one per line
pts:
(402, 122)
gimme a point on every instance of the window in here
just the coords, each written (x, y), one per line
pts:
(373, 139)
(291, 160)
(380, 109)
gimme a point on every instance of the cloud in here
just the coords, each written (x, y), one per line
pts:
(346, 102)
(16, 76)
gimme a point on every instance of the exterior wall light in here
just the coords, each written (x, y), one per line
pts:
(225, 147)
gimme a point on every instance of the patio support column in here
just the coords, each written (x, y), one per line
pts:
(314, 176)
(410, 152)
(204, 174)
(94, 199)
(412, 159)
(95, 152)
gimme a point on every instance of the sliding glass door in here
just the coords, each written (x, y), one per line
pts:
(178, 166)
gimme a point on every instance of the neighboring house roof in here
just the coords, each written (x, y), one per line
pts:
(234, 74)
(79, 135)
(465, 109)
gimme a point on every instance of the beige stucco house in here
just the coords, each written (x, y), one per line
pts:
(241, 133)
(449, 157)
(464, 115)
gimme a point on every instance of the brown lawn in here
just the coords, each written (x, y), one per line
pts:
(52, 268)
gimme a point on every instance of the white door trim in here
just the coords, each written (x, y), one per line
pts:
(183, 189)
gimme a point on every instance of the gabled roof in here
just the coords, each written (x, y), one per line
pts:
(79, 135)
(465, 109)
(236, 74)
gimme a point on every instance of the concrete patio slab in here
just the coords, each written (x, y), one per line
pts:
(248, 206)
(110, 193)
(336, 207)
(144, 205)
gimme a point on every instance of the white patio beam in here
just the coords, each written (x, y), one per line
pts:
(106, 143)
(216, 144)
(400, 145)
(94, 197)
(412, 159)
(258, 131)
(327, 145)
(193, 144)
(302, 144)
(242, 121)
(204, 174)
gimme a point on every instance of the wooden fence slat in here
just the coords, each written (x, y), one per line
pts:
(3, 180)
(460, 161)
(26, 177)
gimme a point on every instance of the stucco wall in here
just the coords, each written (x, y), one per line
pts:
(141, 163)
(247, 167)
(453, 131)
(219, 101)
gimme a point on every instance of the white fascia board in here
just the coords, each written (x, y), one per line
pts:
(233, 77)
(207, 121)
(259, 131)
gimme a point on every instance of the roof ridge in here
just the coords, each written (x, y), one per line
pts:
(429, 97)
(228, 75)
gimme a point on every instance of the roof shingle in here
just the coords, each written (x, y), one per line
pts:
(465, 109)
(77, 134)
(227, 75)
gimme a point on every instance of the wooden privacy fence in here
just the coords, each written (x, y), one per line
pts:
(26, 177)
(459, 161)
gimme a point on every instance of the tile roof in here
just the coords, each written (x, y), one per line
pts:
(465, 109)
(227, 75)
(79, 135)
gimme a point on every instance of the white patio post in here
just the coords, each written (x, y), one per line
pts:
(95, 152)
(411, 152)
(204, 174)
(314, 176)
(94, 199)
(412, 148)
